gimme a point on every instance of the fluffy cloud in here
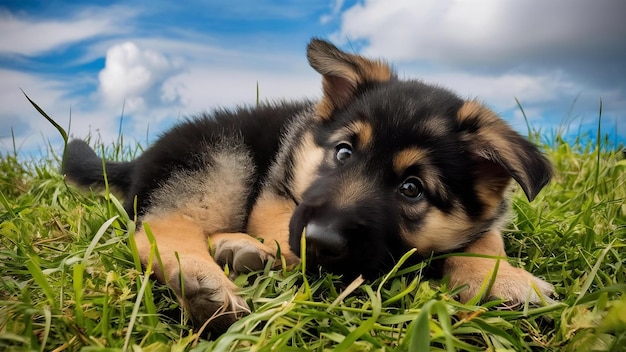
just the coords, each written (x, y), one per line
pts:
(144, 80)
(461, 31)
(134, 77)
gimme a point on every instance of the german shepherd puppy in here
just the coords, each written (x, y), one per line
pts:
(376, 167)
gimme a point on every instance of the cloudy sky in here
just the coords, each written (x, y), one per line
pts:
(160, 61)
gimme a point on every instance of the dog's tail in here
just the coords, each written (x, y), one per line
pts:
(84, 168)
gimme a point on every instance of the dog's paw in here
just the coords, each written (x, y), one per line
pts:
(514, 285)
(208, 295)
(241, 253)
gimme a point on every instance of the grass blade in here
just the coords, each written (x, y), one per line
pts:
(47, 315)
(50, 119)
(420, 334)
(40, 278)
(593, 273)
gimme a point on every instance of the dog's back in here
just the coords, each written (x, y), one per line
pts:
(248, 134)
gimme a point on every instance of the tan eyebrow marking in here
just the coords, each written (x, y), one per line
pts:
(407, 158)
(429, 174)
(363, 131)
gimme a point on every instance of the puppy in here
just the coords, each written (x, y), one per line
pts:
(376, 167)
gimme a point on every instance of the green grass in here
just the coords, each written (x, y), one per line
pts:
(69, 279)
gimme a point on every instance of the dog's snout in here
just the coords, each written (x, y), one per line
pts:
(324, 241)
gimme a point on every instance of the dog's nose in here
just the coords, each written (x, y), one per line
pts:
(324, 241)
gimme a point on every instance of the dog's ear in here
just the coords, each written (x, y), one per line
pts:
(501, 152)
(342, 74)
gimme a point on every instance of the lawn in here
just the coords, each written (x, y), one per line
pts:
(70, 279)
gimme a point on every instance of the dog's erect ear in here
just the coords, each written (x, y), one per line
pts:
(502, 151)
(342, 74)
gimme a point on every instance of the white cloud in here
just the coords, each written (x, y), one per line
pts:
(133, 76)
(334, 12)
(146, 73)
(31, 36)
(462, 31)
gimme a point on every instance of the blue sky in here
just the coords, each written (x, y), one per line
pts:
(162, 61)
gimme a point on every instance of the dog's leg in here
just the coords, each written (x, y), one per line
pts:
(269, 220)
(205, 291)
(515, 285)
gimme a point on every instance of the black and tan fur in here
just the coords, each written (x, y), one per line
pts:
(376, 167)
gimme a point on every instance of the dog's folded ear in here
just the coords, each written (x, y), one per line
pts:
(342, 73)
(501, 152)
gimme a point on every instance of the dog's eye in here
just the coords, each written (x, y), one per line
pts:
(343, 152)
(412, 188)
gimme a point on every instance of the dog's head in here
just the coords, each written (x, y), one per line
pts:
(392, 165)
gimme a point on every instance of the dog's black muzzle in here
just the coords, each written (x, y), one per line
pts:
(347, 239)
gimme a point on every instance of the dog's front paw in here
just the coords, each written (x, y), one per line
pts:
(514, 285)
(208, 295)
(242, 253)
